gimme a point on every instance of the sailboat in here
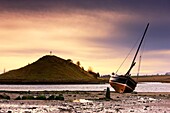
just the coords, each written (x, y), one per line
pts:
(124, 83)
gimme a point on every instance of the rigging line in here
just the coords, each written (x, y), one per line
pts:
(140, 57)
(127, 55)
(139, 66)
(143, 47)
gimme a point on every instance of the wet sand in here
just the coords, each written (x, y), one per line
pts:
(88, 102)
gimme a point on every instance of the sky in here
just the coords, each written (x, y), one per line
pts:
(98, 33)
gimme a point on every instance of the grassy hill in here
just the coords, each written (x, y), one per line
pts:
(48, 69)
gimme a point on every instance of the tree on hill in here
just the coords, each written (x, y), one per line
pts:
(82, 68)
(69, 60)
(78, 63)
(90, 70)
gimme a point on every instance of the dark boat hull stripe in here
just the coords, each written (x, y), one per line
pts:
(123, 84)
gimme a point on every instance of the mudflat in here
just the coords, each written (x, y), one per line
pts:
(87, 102)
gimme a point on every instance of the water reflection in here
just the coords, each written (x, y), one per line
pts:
(141, 87)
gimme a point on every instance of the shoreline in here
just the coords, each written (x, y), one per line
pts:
(87, 101)
(49, 83)
(100, 80)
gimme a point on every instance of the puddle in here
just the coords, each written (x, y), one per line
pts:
(82, 101)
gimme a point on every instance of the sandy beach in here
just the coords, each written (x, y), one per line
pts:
(87, 102)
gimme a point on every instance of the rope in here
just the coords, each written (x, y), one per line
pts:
(140, 58)
(127, 55)
(139, 66)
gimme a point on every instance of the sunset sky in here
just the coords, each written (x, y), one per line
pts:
(98, 33)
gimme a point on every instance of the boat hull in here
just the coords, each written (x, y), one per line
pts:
(123, 84)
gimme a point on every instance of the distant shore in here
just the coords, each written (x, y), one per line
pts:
(49, 82)
(153, 78)
(37, 82)
(85, 101)
(148, 78)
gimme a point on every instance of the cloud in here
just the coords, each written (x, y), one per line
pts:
(144, 7)
(99, 33)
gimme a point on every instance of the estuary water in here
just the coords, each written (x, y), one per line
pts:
(141, 87)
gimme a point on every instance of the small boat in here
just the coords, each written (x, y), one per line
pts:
(124, 83)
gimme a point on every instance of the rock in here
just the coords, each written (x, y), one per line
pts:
(107, 96)
(146, 107)
(27, 112)
(131, 110)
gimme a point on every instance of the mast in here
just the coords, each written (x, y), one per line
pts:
(139, 67)
(133, 62)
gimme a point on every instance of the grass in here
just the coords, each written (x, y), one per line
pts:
(48, 69)
(153, 78)
(4, 96)
(148, 78)
(41, 97)
(18, 98)
(37, 97)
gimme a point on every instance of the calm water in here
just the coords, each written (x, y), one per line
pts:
(141, 87)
